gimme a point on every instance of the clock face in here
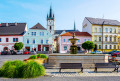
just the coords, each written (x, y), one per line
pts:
(50, 22)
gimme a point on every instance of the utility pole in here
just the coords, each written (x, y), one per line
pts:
(102, 35)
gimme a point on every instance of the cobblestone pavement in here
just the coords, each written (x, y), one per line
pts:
(66, 75)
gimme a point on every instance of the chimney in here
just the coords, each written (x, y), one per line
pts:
(15, 23)
(6, 24)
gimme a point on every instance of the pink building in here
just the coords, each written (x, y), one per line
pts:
(64, 43)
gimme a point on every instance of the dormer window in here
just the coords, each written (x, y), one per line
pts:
(36, 27)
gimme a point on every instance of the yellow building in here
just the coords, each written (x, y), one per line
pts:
(105, 33)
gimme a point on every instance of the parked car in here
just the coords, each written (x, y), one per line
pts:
(111, 52)
(26, 52)
(19, 52)
(117, 53)
(97, 52)
(5, 53)
(33, 52)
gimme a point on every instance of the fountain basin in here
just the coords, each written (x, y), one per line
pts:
(87, 60)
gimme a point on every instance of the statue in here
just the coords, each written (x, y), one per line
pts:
(73, 47)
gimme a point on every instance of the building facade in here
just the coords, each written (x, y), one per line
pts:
(64, 43)
(105, 33)
(10, 33)
(37, 38)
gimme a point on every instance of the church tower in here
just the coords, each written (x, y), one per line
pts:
(50, 22)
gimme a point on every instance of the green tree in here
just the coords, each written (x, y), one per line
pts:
(88, 45)
(18, 46)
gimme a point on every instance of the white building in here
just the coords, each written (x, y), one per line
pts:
(10, 33)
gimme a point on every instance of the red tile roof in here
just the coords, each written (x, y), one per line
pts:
(76, 34)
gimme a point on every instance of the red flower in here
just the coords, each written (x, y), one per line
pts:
(116, 60)
(26, 59)
(38, 57)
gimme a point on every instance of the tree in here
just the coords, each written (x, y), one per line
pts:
(88, 45)
(18, 46)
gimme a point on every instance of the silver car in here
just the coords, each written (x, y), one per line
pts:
(33, 52)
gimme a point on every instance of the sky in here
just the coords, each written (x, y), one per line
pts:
(66, 11)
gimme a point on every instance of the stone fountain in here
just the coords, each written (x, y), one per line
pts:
(73, 47)
(87, 60)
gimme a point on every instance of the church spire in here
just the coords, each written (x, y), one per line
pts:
(74, 26)
(51, 14)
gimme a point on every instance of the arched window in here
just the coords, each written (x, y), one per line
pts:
(50, 28)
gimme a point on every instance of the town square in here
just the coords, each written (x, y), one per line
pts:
(72, 40)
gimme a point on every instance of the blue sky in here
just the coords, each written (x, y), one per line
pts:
(66, 11)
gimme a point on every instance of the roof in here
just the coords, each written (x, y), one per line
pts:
(12, 28)
(60, 31)
(38, 26)
(76, 34)
(99, 21)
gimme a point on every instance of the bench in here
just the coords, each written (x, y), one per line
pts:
(71, 66)
(106, 65)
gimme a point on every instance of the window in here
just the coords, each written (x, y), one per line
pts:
(99, 29)
(99, 38)
(84, 40)
(114, 39)
(33, 41)
(65, 47)
(27, 41)
(42, 33)
(105, 46)
(0, 40)
(115, 31)
(41, 41)
(95, 29)
(95, 38)
(7, 40)
(114, 46)
(33, 33)
(99, 46)
(110, 39)
(105, 38)
(106, 30)
(47, 42)
(110, 47)
(110, 30)
(68, 40)
(50, 28)
(15, 39)
(64, 40)
(79, 40)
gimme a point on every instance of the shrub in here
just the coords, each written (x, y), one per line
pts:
(38, 55)
(43, 56)
(11, 69)
(32, 69)
(33, 57)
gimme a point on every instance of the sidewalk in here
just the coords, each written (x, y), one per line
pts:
(77, 73)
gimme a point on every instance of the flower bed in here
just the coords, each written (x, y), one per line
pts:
(39, 58)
